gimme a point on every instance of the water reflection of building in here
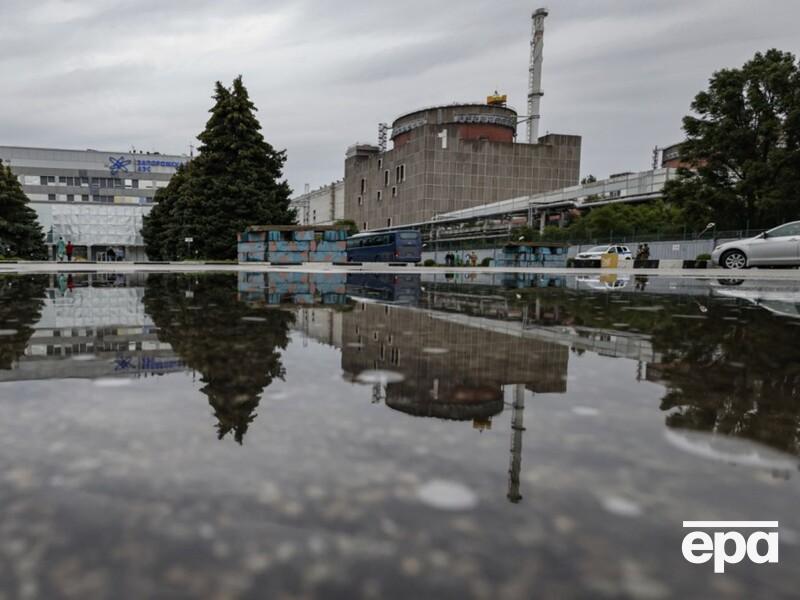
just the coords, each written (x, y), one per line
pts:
(450, 370)
(92, 326)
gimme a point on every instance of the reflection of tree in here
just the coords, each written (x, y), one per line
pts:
(21, 301)
(738, 378)
(233, 346)
(730, 368)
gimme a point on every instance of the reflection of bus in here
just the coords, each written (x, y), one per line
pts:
(390, 246)
(384, 287)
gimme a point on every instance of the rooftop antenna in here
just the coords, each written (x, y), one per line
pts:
(535, 92)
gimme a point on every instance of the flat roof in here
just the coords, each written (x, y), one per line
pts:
(455, 105)
(45, 149)
(294, 228)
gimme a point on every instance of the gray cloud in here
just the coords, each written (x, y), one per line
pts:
(111, 74)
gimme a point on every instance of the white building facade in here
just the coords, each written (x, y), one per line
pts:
(95, 199)
(323, 206)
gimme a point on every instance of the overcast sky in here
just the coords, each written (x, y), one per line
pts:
(109, 74)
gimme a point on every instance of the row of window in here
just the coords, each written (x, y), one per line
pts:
(399, 177)
(102, 182)
(378, 195)
(365, 224)
(86, 197)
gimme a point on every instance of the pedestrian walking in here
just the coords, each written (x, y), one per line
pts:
(473, 258)
(61, 250)
(70, 250)
(646, 254)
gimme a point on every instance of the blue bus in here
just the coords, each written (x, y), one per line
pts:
(389, 246)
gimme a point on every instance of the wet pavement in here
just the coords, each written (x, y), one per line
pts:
(367, 435)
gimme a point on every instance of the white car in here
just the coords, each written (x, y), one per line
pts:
(597, 252)
(776, 248)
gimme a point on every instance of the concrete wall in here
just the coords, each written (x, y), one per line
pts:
(675, 250)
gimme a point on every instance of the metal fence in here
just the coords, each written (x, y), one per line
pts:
(476, 242)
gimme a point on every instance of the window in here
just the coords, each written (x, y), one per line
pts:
(314, 216)
(70, 198)
(62, 179)
(379, 196)
(84, 181)
(363, 185)
(389, 222)
(785, 230)
(84, 197)
(360, 200)
(51, 197)
(135, 184)
(365, 226)
(43, 180)
(380, 163)
(394, 191)
(408, 235)
(397, 173)
(402, 172)
(386, 178)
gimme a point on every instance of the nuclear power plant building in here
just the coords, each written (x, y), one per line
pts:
(449, 158)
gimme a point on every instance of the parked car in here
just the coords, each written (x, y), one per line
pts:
(597, 252)
(777, 247)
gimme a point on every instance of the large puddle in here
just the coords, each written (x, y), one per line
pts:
(392, 436)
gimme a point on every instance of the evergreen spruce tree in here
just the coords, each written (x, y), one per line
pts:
(161, 229)
(20, 232)
(235, 181)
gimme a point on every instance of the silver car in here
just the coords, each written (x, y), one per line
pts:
(777, 247)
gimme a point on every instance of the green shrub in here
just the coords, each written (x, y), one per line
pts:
(429, 262)
(703, 256)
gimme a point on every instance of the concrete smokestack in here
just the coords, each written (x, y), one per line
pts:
(535, 92)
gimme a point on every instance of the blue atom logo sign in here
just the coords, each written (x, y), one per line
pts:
(117, 165)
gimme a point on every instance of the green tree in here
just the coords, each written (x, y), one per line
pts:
(348, 224)
(235, 181)
(743, 143)
(162, 228)
(20, 232)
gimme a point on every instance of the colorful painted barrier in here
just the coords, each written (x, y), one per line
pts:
(292, 245)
